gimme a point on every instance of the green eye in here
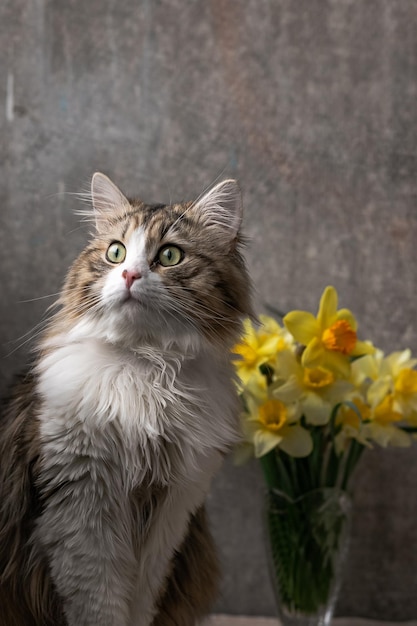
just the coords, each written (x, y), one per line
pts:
(170, 255)
(116, 252)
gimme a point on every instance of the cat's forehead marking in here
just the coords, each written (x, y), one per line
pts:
(157, 220)
(136, 247)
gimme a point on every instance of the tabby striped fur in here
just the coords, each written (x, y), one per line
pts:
(109, 443)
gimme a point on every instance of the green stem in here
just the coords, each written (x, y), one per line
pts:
(270, 470)
(288, 485)
(354, 454)
(332, 467)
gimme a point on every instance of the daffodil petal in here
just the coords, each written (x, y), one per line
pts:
(337, 363)
(363, 368)
(387, 435)
(398, 360)
(256, 386)
(378, 390)
(288, 392)
(269, 346)
(296, 441)
(249, 425)
(346, 435)
(244, 372)
(313, 354)
(338, 391)
(249, 333)
(294, 412)
(270, 325)
(265, 441)
(316, 410)
(302, 325)
(328, 307)
(363, 347)
(345, 314)
(286, 364)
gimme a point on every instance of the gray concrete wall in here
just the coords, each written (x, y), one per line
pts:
(312, 105)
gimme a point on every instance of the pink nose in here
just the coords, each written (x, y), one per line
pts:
(130, 277)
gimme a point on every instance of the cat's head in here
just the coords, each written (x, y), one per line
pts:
(160, 274)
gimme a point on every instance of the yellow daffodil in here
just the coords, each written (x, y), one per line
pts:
(330, 338)
(269, 423)
(382, 428)
(378, 423)
(259, 346)
(384, 417)
(350, 418)
(352, 414)
(388, 435)
(316, 389)
(394, 376)
(366, 369)
(295, 379)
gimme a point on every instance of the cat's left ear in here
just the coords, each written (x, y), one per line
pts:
(221, 208)
(107, 199)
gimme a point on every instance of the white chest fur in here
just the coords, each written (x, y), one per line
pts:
(113, 421)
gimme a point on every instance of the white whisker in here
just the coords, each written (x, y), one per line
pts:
(49, 295)
(181, 307)
(33, 334)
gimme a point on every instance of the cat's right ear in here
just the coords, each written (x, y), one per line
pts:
(107, 199)
(221, 208)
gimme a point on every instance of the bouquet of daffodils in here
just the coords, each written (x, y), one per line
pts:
(312, 390)
(314, 397)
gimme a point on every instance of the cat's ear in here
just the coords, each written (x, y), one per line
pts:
(221, 207)
(107, 199)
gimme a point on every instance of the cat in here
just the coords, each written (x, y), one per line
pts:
(109, 442)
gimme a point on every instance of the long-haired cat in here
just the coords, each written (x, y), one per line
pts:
(109, 443)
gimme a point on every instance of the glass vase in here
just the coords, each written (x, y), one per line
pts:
(307, 543)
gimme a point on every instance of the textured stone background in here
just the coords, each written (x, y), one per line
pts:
(312, 105)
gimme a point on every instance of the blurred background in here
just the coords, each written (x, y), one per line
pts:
(312, 106)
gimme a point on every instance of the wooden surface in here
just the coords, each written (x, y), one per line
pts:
(231, 620)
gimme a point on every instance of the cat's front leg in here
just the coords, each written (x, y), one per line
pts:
(85, 529)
